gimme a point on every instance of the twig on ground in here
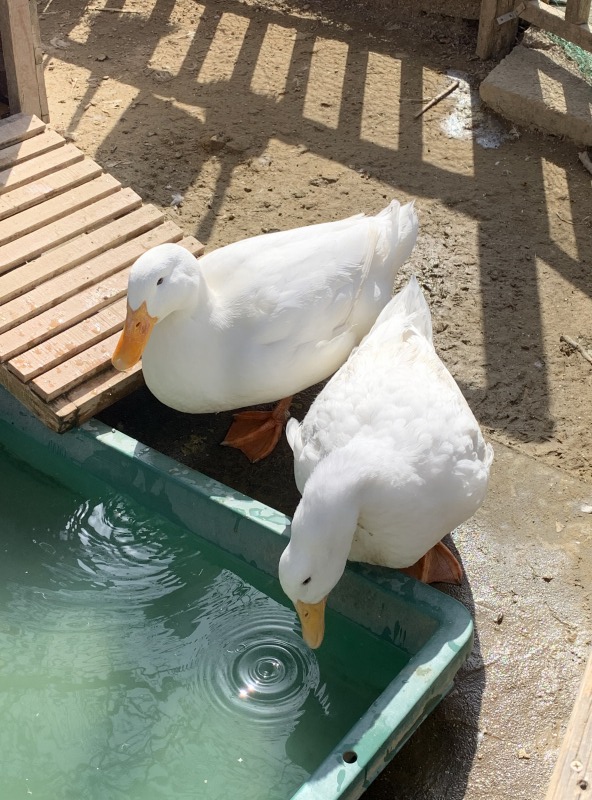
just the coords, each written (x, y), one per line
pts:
(586, 161)
(111, 10)
(576, 346)
(437, 98)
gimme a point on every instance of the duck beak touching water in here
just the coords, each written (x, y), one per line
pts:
(312, 619)
(134, 336)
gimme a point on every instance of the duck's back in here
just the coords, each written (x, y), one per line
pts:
(398, 409)
(284, 312)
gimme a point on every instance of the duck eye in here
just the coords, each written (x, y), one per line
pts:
(304, 583)
(159, 281)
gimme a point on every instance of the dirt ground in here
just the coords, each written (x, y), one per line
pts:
(237, 118)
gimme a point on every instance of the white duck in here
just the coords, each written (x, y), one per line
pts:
(261, 319)
(389, 459)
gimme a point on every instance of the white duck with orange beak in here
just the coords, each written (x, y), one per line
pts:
(261, 319)
(389, 459)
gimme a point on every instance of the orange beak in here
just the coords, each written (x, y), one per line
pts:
(312, 619)
(134, 336)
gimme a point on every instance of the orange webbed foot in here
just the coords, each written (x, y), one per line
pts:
(256, 433)
(438, 565)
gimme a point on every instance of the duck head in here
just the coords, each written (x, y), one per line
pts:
(322, 530)
(162, 280)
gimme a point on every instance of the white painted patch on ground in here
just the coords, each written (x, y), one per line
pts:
(469, 119)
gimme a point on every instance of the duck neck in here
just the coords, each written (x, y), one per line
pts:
(330, 508)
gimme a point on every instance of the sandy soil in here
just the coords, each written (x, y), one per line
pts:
(264, 116)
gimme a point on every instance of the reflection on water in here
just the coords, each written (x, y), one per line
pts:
(135, 663)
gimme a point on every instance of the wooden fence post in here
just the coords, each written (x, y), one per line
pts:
(21, 48)
(495, 40)
(577, 11)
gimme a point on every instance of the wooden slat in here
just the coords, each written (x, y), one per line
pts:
(54, 209)
(36, 146)
(90, 276)
(58, 416)
(74, 252)
(75, 370)
(18, 128)
(572, 776)
(38, 167)
(26, 90)
(551, 19)
(70, 342)
(494, 40)
(51, 185)
(90, 216)
(83, 402)
(577, 11)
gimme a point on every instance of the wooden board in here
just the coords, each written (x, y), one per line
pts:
(552, 19)
(495, 40)
(69, 234)
(23, 57)
(572, 776)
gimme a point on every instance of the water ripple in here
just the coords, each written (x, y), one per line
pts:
(252, 663)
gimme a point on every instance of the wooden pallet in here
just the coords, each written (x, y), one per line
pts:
(69, 233)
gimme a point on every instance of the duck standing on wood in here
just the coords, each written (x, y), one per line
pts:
(389, 459)
(260, 319)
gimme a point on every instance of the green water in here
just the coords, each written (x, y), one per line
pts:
(139, 661)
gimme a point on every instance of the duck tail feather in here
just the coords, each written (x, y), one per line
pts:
(402, 225)
(292, 431)
(410, 306)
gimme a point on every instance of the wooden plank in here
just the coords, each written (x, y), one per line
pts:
(90, 276)
(75, 370)
(551, 19)
(38, 167)
(70, 342)
(495, 40)
(578, 11)
(74, 252)
(40, 191)
(56, 323)
(83, 402)
(18, 128)
(58, 416)
(572, 776)
(36, 146)
(54, 210)
(87, 217)
(25, 91)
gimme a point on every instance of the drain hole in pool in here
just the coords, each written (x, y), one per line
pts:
(350, 756)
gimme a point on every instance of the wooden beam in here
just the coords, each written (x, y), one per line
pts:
(578, 11)
(495, 40)
(23, 58)
(551, 19)
(572, 776)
